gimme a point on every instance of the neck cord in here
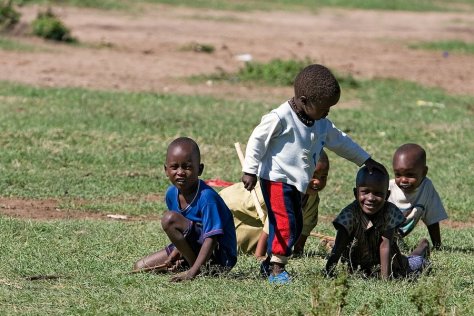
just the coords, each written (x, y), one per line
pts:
(300, 114)
(195, 195)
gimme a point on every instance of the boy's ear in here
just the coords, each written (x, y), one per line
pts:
(164, 167)
(303, 100)
(355, 193)
(388, 194)
(201, 168)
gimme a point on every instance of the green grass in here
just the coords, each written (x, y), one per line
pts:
(98, 4)
(92, 258)
(453, 46)
(276, 72)
(108, 148)
(103, 152)
(248, 5)
(420, 5)
(14, 45)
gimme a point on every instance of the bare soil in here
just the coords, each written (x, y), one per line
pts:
(50, 209)
(147, 51)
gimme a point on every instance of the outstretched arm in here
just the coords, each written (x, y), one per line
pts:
(205, 253)
(384, 249)
(341, 243)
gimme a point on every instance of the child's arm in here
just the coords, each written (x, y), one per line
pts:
(341, 243)
(249, 180)
(257, 146)
(345, 147)
(204, 254)
(435, 235)
(261, 250)
(384, 249)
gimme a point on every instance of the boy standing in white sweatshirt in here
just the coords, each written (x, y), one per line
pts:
(282, 152)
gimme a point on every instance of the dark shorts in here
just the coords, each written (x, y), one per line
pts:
(417, 263)
(194, 238)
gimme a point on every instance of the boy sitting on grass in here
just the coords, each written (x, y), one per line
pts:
(198, 223)
(365, 231)
(252, 232)
(414, 194)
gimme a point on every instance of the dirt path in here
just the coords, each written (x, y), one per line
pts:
(144, 52)
(50, 210)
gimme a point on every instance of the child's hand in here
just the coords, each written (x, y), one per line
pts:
(249, 180)
(372, 164)
(176, 265)
(183, 276)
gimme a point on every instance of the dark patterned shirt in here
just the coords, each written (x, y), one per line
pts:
(366, 236)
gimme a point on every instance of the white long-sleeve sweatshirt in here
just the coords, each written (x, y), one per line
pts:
(281, 148)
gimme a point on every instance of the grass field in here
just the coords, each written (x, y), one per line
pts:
(108, 149)
(102, 152)
(72, 143)
(458, 47)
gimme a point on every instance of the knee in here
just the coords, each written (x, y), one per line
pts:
(424, 242)
(169, 220)
(139, 265)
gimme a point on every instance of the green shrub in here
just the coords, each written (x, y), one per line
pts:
(49, 26)
(9, 17)
(276, 72)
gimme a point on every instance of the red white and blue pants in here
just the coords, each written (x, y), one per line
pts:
(285, 218)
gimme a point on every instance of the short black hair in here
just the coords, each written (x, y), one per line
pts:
(180, 141)
(318, 84)
(364, 173)
(414, 150)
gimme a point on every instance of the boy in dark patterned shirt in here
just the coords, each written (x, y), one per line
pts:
(366, 228)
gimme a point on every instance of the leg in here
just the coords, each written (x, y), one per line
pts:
(299, 246)
(261, 245)
(284, 213)
(151, 260)
(423, 249)
(176, 226)
(418, 258)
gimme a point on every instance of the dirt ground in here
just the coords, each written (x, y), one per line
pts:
(146, 52)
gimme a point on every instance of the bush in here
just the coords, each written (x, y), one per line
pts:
(276, 72)
(49, 26)
(9, 17)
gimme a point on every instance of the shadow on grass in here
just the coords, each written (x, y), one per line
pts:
(468, 250)
(312, 254)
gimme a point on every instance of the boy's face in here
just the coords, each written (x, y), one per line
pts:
(408, 172)
(182, 167)
(371, 194)
(317, 111)
(320, 177)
